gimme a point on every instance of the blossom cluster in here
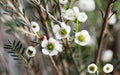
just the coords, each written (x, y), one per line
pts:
(58, 31)
(107, 68)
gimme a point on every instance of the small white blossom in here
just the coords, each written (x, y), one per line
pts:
(61, 32)
(30, 51)
(107, 55)
(82, 17)
(112, 19)
(63, 1)
(92, 68)
(51, 47)
(35, 26)
(69, 15)
(82, 38)
(86, 5)
(108, 68)
(72, 14)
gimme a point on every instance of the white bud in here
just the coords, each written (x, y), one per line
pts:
(63, 1)
(107, 55)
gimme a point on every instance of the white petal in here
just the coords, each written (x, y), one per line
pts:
(54, 52)
(76, 41)
(44, 43)
(68, 28)
(69, 15)
(77, 34)
(82, 17)
(58, 36)
(63, 1)
(76, 10)
(58, 47)
(87, 38)
(84, 32)
(82, 43)
(63, 24)
(56, 28)
(87, 35)
(52, 40)
(45, 51)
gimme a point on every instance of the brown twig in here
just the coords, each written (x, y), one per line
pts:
(54, 64)
(59, 9)
(104, 27)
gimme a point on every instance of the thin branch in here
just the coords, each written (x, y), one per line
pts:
(51, 16)
(21, 15)
(59, 8)
(104, 27)
(55, 66)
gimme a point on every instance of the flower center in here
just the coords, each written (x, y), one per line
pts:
(34, 26)
(92, 68)
(81, 38)
(30, 52)
(107, 68)
(63, 32)
(50, 46)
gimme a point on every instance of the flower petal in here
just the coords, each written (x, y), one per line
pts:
(54, 52)
(44, 43)
(76, 10)
(69, 15)
(63, 24)
(56, 28)
(58, 47)
(82, 17)
(58, 36)
(45, 51)
(68, 28)
(52, 40)
(77, 34)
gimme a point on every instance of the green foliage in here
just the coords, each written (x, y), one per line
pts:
(15, 49)
(117, 8)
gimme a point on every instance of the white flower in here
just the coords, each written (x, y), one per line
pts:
(35, 26)
(86, 5)
(61, 32)
(112, 19)
(69, 15)
(82, 38)
(92, 68)
(107, 55)
(72, 14)
(63, 1)
(51, 47)
(108, 68)
(30, 51)
(81, 16)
